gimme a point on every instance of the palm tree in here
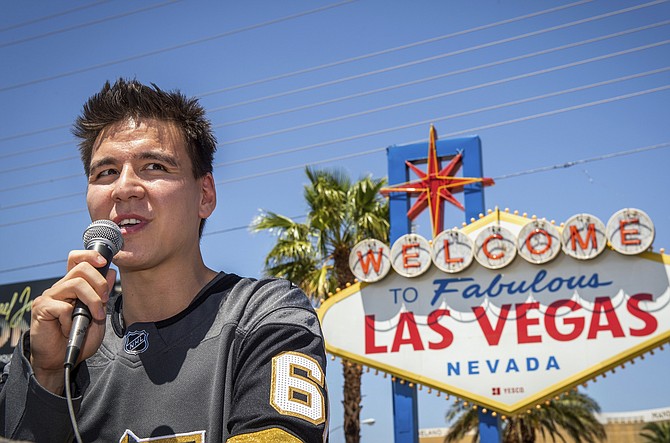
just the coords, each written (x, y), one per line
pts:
(572, 415)
(658, 432)
(315, 254)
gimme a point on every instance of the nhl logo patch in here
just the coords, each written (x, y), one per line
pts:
(191, 437)
(136, 342)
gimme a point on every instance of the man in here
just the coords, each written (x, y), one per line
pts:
(222, 358)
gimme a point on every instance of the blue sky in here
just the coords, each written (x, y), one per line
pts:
(568, 98)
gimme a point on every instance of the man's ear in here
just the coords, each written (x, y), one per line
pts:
(207, 196)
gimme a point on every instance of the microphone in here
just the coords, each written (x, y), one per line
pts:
(105, 237)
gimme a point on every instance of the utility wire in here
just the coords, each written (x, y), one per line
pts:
(172, 48)
(414, 82)
(443, 118)
(452, 134)
(357, 58)
(44, 200)
(453, 92)
(558, 166)
(91, 23)
(41, 182)
(36, 265)
(390, 50)
(205, 234)
(49, 17)
(441, 76)
(42, 217)
(35, 165)
(582, 161)
(437, 57)
(379, 150)
(423, 99)
(244, 227)
(35, 149)
(29, 133)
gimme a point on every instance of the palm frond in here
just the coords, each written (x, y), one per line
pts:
(572, 415)
(274, 223)
(341, 213)
(656, 432)
(466, 420)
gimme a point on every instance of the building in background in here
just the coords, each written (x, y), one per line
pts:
(621, 427)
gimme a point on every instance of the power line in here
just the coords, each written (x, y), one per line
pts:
(453, 92)
(36, 265)
(34, 132)
(172, 48)
(44, 200)
(378, 150)
(357, 58)
(243, 227)
(91, 23)
(437, 57)
(563, 110)
(35, 149)
(41, 182)
(35, 165)
(451, 134)
(390, 50)
(570, 164)
(302, 166)
(42, 217)
(49, 17)
(442, 118)
(558, 166)
(205, 234)
(444, 75)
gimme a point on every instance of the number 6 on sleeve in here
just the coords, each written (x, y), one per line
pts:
(297, 384)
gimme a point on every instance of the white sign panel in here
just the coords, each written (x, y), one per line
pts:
(507, 337)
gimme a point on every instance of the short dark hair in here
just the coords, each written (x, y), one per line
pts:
(131, 99)
(127, 99)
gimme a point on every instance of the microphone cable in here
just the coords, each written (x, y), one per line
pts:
(105, 237)
(70, 406)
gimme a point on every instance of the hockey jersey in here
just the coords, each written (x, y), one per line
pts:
(245, 362)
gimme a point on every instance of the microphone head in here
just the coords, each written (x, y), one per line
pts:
(106, 231)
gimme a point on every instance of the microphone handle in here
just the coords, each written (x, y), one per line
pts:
(81, 315)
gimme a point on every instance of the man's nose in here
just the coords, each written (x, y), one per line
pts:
(128, 185)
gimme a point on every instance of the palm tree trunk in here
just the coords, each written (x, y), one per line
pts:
(519, 431)
(352, 401)
(352, 372)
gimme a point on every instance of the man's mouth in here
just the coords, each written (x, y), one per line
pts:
(128, 222)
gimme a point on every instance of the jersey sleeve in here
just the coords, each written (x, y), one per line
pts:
(280, 381)
(27, 410)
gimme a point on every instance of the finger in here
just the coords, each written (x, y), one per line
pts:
(46, 309)
(84, 283)
(94, 258)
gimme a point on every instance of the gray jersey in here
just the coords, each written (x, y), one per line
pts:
(244, 362)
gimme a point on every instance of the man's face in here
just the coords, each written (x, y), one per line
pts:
(142, 178)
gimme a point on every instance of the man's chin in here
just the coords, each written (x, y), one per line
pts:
(127, 262)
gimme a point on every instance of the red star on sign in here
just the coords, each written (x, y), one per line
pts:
(435, 186)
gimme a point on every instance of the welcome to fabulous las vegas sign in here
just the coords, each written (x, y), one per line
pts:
(508, 311)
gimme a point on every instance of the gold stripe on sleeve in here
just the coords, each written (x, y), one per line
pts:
(273, 435)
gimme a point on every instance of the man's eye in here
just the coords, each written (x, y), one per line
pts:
(156, 167)
(107, 172)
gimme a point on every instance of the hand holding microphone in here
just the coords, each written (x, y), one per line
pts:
(103, 236)
(52, 312)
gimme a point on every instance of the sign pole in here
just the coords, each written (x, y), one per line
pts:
(405, 407)
(489, 428)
